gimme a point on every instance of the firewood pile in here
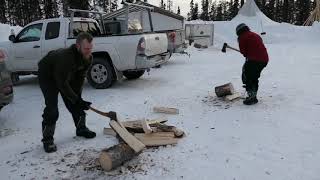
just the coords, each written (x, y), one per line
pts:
(134, 136)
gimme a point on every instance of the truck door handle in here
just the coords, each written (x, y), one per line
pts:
(157, 38)
(36, 46)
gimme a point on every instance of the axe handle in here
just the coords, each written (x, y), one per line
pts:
(99, 112)
(233, 48)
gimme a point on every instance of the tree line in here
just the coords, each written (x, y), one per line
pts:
(290, 11)
(22, 12)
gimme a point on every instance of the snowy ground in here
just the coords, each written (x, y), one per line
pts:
(277, 139)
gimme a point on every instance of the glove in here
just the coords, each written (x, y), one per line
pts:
(83, 105)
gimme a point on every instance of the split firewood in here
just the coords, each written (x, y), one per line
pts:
(115, 156)
(109, 131)
(153, 125)
(132, 141)
(165, 128)
(233, 96)
(224, 90)
(153, 139)
(136, 126)
(156, 134)
(155, 129)
(157, 139)
(145, 126)
(166, 110)
(157, 120)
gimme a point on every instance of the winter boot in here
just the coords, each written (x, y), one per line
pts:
(251, 99)
(49, 147)
(82, 130)
(48, 132)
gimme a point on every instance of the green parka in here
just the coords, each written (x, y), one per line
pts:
(67, 69)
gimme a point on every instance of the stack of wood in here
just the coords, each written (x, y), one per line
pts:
(134, 136)
(227, 92)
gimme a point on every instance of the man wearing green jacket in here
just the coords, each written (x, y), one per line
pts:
(63, 71)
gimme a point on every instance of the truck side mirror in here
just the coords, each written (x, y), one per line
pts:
(12, 38)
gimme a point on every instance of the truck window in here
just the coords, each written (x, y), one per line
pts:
(113, 27)
(52, 31)
(82, 26)
(30, 33)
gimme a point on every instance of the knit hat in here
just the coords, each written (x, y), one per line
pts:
(240, 27)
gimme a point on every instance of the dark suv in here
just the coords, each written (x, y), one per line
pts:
(6, 91)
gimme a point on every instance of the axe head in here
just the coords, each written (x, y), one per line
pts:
(224, 47)
(112, 115)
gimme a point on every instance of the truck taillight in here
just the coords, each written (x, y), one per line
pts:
(2, 56)
(172, 36)
(141, 46)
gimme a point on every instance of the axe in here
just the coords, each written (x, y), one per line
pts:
(225, 46)
(111, 114)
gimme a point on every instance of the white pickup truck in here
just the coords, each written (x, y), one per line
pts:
(113, 56)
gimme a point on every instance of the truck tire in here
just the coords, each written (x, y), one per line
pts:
(101, 74)
(15, 78)
(133, 74)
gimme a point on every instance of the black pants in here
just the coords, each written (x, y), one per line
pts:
(50, 92)
(251, 71)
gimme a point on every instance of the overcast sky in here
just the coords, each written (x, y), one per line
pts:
(184, 5)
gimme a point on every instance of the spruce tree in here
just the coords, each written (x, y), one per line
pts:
(263, 6)
(270, 9)
(225, 11)
(3, 11)
(234, 8)
(213, 11)
(191, 10)
(205, 10)
(285, 11)
(303, 11)
(219, 16)
(195, 14)
(258, 3)
(162, 4)
(50, 8)
(278, 11)
(291, 11)
(15, 12)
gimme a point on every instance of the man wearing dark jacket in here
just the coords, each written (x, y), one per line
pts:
(253, 49)
(63, 71)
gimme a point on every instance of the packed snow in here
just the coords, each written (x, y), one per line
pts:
(274, 139)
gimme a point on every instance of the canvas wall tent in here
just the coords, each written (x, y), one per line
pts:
(162, 20)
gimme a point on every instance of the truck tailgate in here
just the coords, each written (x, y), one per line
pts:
(155, 44)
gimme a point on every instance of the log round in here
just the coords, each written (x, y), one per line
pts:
(115, 156)
(224, 90)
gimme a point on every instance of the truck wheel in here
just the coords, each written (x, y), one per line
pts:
(15, 78)
(100, 74)
(133, 74)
